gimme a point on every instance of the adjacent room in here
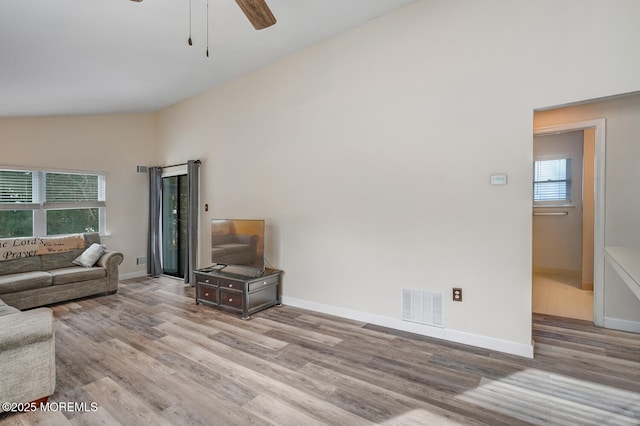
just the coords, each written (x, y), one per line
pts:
(320, 212)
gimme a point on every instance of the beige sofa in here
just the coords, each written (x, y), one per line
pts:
(27, 356)
(28, 282)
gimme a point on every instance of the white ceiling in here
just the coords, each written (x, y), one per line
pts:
(60, 57)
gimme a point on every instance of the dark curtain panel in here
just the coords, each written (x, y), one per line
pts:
(191, 249)
(154, 265)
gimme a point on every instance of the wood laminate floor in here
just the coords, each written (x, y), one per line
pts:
(150, 355)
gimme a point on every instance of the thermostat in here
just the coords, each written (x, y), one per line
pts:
(498, 179)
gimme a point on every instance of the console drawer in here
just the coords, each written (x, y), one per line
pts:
(231, 298)
(207, 292)
(257, 285)
(204, 279)
(229, 284)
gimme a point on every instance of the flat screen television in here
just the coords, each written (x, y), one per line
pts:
(237, 246)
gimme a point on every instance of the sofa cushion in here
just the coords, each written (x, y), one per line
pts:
(6, 309)
(26, 264)
(75, 274)
(90, 256)
(24, 281)
(59, 260)
(65, 259)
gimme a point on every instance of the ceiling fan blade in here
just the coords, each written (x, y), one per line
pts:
(257, 12)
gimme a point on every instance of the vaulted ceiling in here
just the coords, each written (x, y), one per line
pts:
(119, 56)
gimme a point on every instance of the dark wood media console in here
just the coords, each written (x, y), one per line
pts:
(236, 293)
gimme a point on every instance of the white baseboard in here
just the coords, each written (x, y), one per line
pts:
(130, 275)
(485, 342)
(622, 325)
(558, 271)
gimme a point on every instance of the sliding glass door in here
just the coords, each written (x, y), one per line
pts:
(174, 224)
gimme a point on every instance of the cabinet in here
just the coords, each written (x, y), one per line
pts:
(236, 293)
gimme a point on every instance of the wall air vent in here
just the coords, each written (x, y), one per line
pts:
(424, 307)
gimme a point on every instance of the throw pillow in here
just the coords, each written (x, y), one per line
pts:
(90, 256)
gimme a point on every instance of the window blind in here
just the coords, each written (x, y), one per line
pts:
(16, 186)
(77, 189)
(552, 180)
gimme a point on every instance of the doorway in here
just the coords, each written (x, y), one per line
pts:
(592, 227)
(563, 224)
(175, 196)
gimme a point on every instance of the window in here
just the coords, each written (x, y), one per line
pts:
(552, 181)
(38, 202)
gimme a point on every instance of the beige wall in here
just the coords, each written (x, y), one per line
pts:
(114, 144)
(369, 155)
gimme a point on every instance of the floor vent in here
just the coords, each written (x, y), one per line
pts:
(424, 307)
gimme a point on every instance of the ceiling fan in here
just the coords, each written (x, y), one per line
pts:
(256, 11)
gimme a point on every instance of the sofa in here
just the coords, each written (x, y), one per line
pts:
(230, 247)
(36, 272)
(30, 279)
(27, 356)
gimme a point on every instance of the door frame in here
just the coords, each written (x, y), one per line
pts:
(599, 203)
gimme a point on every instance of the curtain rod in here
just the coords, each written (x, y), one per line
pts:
(550, 213)
(176, 165)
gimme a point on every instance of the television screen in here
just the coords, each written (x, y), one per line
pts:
(237, 246)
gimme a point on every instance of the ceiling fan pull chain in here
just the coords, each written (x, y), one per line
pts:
(257, 11)
(207, 28)
(189, 41)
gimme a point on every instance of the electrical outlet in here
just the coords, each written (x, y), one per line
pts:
(457, 294)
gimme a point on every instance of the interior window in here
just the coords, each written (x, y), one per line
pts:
(552, 181)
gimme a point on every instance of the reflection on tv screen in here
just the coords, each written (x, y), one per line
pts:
(238, 242)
